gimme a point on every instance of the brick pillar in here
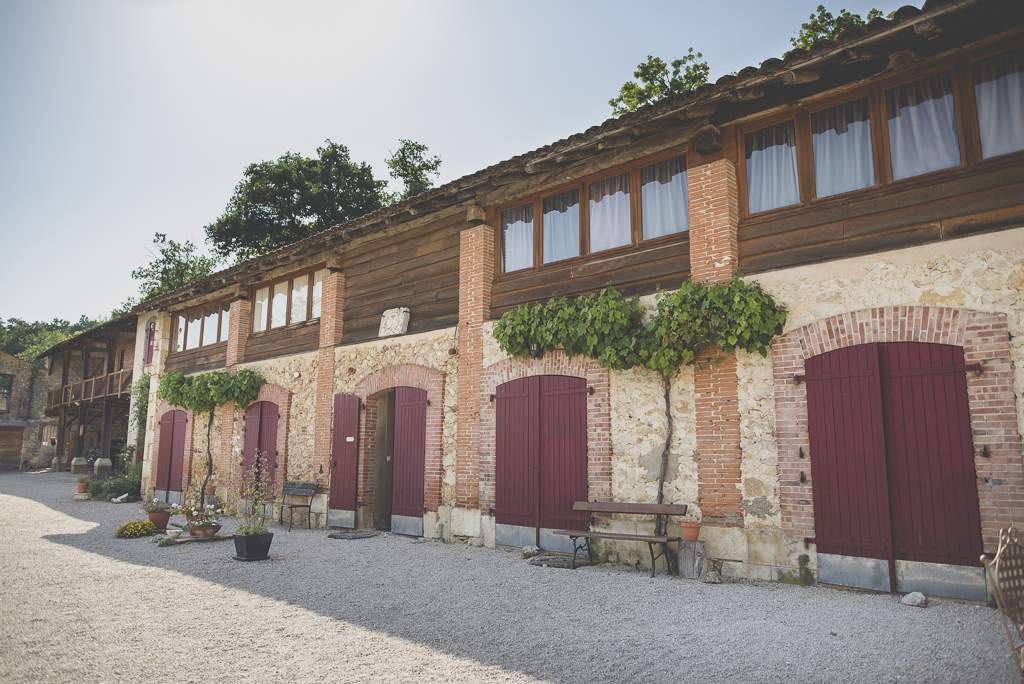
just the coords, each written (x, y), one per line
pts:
(239, 325)
(714, 217)
(332, 318)
(476, 273)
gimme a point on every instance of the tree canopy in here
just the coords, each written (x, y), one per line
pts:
(27, 340)
(824, 26)
(411, 166)
(280, 202)
(655, 83)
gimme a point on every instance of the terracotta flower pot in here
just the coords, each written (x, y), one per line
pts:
(204, 532)
(691, 530)
(82, 486)
(160, 520)
(211, 490)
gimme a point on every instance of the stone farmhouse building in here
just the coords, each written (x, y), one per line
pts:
(25, 431)
(875, 186)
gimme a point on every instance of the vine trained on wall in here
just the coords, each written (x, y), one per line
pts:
(206, 392)
(617, 333)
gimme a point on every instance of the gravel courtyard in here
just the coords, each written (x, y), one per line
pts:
(81, 606)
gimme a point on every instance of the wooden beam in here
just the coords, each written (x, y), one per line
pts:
(799, 76)
(745, 94)
(929, 28)
(476, 215)
(708, 140)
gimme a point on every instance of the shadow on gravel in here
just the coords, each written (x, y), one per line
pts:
(591, 625)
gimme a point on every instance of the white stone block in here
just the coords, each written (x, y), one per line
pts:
(466, 522)
(394, 322)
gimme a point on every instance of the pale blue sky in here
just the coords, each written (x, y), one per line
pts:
(123, 118)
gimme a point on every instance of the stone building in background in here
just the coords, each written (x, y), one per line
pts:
(27, 435)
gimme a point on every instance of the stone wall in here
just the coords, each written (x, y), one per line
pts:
(27, 407)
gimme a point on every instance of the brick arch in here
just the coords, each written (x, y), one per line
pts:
(407, 375)
(599, 430)
(985, 339)
(186, 466)
(276, 395)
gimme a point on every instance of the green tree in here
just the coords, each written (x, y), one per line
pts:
(27, 340)
(655, 83)
(173, 265)
(824, 26)
(280, 202)
(411, 166)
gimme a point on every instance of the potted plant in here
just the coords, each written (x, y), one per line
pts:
(203, 523)
(83, 483)
(211, 488)
(159, 513)
(252, 538)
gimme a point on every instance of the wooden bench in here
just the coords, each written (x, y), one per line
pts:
(661, 512)
(303, 489)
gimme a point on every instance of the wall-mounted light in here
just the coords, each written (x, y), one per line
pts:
(535, 350)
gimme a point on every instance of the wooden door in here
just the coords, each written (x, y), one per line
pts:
(344, 461)
(540, 459)
(170, 460)
(261, 433)
(517, 460)
(410, 453)
(563, 452)
(933, 490)
(844, 416)
(10, 447)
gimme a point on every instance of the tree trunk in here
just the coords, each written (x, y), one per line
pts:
(209, 462)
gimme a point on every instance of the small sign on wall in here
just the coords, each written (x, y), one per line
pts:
(394, 322)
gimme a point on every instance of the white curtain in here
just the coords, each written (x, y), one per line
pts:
(195, 323)
(772, 180)
(517, 238)
(561, 226)
(279, 305)
(259, 310)
(842, 148)
(663, 198)
(999, 90)
(609, 213)
(922, 126)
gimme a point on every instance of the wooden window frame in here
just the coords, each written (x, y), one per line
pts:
(583, 186)
(968, 135)
(288, 279)
(201, 308)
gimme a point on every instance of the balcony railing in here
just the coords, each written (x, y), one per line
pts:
(115, 384)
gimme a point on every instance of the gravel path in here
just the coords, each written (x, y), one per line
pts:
(81, 606)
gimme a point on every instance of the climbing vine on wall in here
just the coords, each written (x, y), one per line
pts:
(206, 392)
(619, 334)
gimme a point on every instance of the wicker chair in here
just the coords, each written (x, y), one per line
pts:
(1007, 572)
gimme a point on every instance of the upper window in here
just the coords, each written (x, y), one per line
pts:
(198, 327)
(922, 126)
(6, 383)
(640, 203)
(841, 137)
(772, 179)
(999, 94)
(294, 299)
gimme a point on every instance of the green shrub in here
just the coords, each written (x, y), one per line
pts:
(166, 541)
(95, 488)
(134, 529)
(136, 474)
(119, 486)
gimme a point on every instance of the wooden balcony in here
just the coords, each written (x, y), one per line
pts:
(115, 385)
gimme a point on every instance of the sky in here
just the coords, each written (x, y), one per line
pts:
(120, 119)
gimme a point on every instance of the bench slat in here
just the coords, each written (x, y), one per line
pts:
(634, 508)
(617, 535)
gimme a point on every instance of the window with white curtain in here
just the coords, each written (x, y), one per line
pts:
(999, 93)
(561, 226)
(609, 213)
(772, 179)
(318, 290)
(841, 137)
(517, 238)
(259, 309)
(193, 328)
(663, 198)
(922, 126)
(299, 294)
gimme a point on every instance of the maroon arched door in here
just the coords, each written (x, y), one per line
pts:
(170, 461)
(540, 460)
(892, 463)
(261, 433)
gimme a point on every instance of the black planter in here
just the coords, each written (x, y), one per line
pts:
(252, 547)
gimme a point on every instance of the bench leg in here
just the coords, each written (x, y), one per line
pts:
(290, 513)
(650, 545)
